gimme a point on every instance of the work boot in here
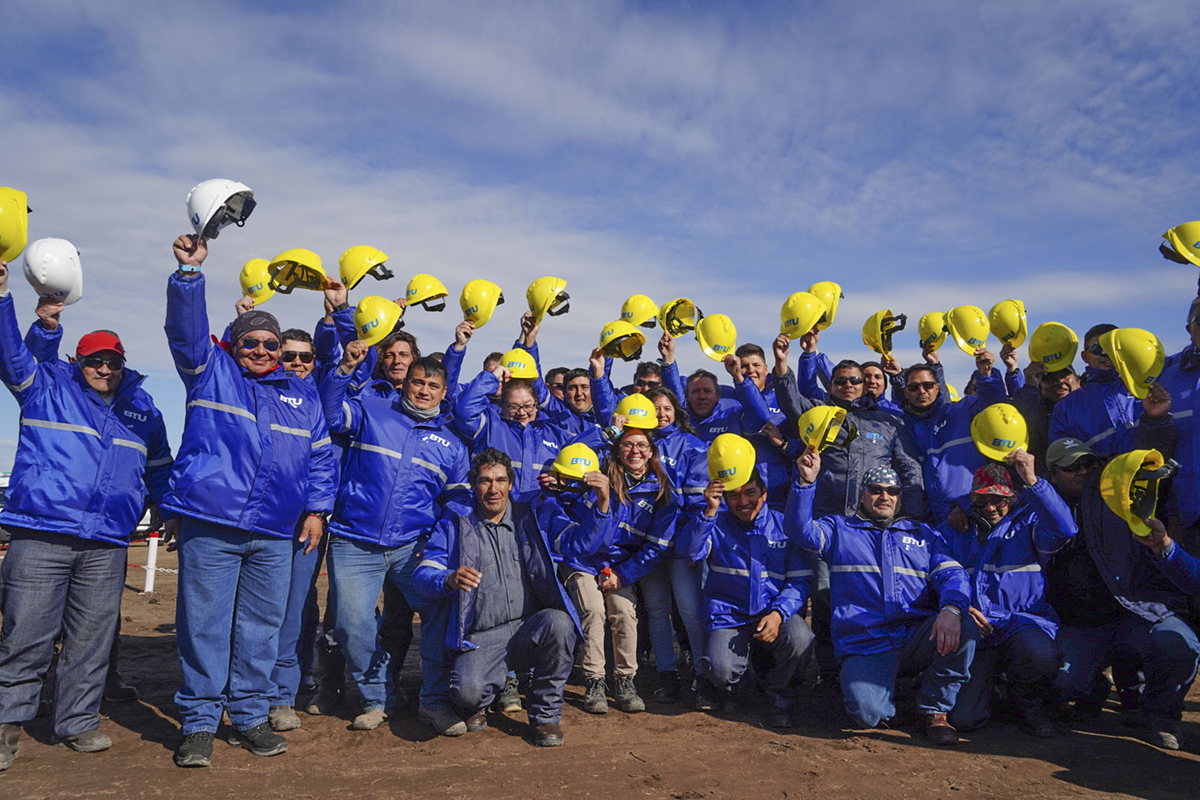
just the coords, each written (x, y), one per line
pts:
(595, 700)
(326, 701)
(510, 696)
(195, 750)
(668, 687)
(443, 720)
(1035, 722)
(10, 738)
(626, 696)
(116, 690)
(780, 718)
(706, 695)
(87, 742)
(548, 735)
(938, 729)
(368, 720)
(477, 722)
(283, 718)
(260, 740)
(1162, 733)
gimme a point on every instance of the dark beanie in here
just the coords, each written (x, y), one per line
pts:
(253, 320)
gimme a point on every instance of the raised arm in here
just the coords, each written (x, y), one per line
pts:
(187, 312)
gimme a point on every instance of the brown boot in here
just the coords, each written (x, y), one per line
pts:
(939, 730)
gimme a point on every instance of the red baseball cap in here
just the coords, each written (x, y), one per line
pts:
(98, 341)
(992, 479)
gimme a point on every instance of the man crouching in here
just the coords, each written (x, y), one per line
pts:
(507, 608)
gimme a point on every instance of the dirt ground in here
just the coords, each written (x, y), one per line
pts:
(667, 752)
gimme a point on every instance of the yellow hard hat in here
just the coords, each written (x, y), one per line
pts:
(360, 261)
(297, 269)
(968, 326)
(375, 317)
(1129, 486)
(679, 316)
(548, 297)
(426, 291)
(639, 310)
(879, 328)
(1185, 243)
(14, 223)
(255, 279)
(1007, 322)
(830, 294)
(717, 336)
(1138, 357)
(1054, 345)
(638, 411)
(519, 363)
(800, 313)
(479, 300)
(621, 340)
(954, 398)
(575, 461)
(998, 430)
(932, 329)
(730, 460)
(826, 426)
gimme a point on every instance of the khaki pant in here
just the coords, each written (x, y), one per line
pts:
(621, 610)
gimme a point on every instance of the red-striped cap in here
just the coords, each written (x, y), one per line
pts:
(96, 342)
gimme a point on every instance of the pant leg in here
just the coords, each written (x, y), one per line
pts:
(656, 591)
(210, 558)
(89, 627)
(35, 575)
(286, 673)
(941, 676)
(262, 595)
(726, 656)
(435, 618)
(356, 576)
(791, 650)
(476, 676)
(1031, 659)
(545, 643)
(1084, 651)
(973, 706)
(687, 581)
(396, 627)
(822, 617)
(589, 604)
(1170, 653)
(310, 626)
(621, 608)
(868, 684)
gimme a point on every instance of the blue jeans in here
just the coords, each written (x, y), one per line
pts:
(543, 643)
(674, 578)
(1030, 659)
(51, 582)
(1169, 651)
(233, 588)
(869, 682)
(298, 633)
(357, 572)
(728, 654)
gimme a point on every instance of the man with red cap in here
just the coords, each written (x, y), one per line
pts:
(92, 449)
(1007, 538)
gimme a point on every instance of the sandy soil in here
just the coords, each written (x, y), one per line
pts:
(668, 752)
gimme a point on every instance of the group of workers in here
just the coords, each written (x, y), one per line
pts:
(959, 558)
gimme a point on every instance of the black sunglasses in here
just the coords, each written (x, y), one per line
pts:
(95, 362)
(879, 488)
(1080, 464)
(270, 345)
(294, 355)
(1095, 349)
(917, 385)
(842, 380)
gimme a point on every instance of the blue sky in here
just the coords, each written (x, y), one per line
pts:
(924, 154)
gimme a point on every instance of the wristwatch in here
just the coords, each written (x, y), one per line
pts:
(341, 306)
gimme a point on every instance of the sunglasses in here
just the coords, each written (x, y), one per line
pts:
(989, 500)
(879, 488)
(842, 380)
(296, 355)
(250, 343)
(919, 385)
(646, 384)
(1082, 464)
(114, 363)
(1095, 349)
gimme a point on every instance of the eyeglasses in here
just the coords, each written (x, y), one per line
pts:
(879, 488)
(634, 447)
(645, 384)
(250, 343)
(989, 500)
(527, 408)
(842, 380)
(1083, 463)
(1095, 349)
(296, 355)
(114, 363)
(917, 386)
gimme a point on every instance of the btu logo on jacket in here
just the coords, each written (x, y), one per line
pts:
(294, 402)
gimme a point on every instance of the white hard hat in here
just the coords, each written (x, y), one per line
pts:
(216, 203)
(53, 270)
